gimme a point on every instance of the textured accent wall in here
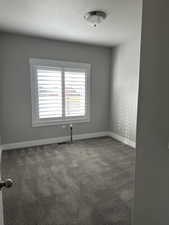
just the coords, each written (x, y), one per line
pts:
(124, 89)
(16, 95)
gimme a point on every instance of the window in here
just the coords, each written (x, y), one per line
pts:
(60, 92)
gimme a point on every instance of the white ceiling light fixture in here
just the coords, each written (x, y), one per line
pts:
(95, 17)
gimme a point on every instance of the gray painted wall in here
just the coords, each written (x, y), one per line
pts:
(124, 89)
(152, 161)
(16, 97)
(0, 94)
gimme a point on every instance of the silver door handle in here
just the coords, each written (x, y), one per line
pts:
(6, 183)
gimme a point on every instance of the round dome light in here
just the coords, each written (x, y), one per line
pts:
(95, 17)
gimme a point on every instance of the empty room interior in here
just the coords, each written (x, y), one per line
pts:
(69, 87)
(69, 92)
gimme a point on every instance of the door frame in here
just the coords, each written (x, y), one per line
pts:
(1, 201)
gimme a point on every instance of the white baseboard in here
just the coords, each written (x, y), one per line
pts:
(46, 141)
(26, 144)
(122, 139)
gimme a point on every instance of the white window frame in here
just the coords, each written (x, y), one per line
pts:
(63, 65)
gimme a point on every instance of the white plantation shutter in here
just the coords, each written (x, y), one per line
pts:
(75, 85)
(60, 92)
(49, 93)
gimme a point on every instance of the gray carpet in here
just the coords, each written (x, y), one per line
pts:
(87, 183)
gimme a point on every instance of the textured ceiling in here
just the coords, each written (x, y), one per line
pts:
(63, 19)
